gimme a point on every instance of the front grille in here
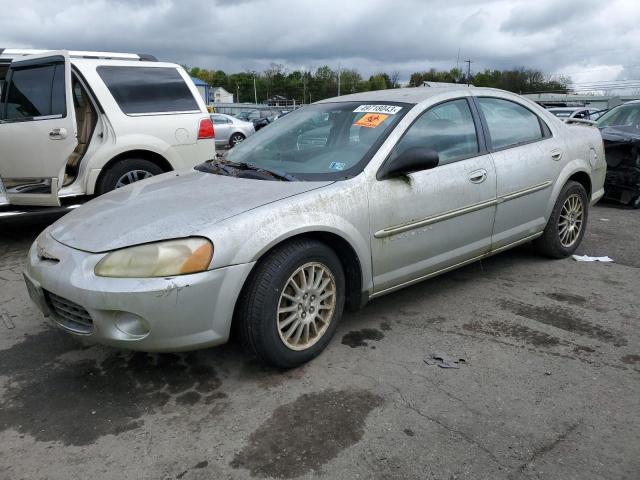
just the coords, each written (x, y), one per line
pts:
(69, 315)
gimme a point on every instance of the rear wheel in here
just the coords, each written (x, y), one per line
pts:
(567, 224)
(125, 172)
(235, 139)
(292, 303)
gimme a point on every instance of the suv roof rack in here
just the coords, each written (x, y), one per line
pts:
(20, 52)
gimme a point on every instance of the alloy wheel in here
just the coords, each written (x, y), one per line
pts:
(132, 176)
(571, 220)
(306, 306)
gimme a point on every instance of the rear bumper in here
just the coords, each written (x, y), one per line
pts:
(179, 313)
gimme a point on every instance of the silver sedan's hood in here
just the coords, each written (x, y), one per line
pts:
(169, 206)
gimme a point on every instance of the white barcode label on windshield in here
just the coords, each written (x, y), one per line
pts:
(388, 109)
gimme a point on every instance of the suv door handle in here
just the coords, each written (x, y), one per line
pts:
(478, 176)
(556, 154)
(58, 134)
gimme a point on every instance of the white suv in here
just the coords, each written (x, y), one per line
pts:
(84, 123)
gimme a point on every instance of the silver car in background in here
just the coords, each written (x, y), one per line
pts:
(229, 131)
(282, 235)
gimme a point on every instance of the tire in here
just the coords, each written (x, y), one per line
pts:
(235, 139)
(635, 202)
(263, 329)
(117, 175)
(560, 238)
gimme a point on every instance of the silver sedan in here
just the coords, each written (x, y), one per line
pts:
(283, 234)
(230, 130)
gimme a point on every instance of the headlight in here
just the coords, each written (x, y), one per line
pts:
(161, 259)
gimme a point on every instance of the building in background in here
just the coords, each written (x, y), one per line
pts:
(220, 95)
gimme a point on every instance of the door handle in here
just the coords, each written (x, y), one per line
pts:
(58, 134)
(556, 155)
(478, 176)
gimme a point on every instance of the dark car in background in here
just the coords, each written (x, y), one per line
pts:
(259, 117)
(620, 128)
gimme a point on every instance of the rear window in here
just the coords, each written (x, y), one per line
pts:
(140, 90)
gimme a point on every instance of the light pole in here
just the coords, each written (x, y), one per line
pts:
(255, 92)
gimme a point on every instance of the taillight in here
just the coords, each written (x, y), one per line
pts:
(206, 129)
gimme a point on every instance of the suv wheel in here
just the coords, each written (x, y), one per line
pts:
(292, 303)
(126, 172)
(235, 139)
(567, 224)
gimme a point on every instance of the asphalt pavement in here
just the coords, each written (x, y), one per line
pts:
(548, 384)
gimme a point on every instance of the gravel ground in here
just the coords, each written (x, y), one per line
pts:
(550, 386)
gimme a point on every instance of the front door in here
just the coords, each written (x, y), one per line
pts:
(37, 128)
(429, 221)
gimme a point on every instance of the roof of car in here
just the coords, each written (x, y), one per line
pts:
(566, 109)
(408, 95)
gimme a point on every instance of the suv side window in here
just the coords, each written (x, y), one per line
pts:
(509, 123)
(447, 128)
(143, 90)
(34, 92)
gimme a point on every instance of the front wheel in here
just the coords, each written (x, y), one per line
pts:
(126, 172)
(567, 224)
(235, 139)
(292, 303)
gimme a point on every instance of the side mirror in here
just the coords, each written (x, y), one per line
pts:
(412, 159)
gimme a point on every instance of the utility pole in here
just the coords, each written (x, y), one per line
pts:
(304, 86)
(338, 78)
(468, 62)
(255, 92)
(237, 93)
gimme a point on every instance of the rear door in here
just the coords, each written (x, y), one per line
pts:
(222, 127)
(37, 128)
(527, 159)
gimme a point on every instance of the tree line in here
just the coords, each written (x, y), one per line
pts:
(306, 86)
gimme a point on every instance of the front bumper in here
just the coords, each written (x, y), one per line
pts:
(149, 314)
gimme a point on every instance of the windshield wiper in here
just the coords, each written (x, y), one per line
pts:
(213, 166)
(274, 173)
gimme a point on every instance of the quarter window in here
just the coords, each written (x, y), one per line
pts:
(447, 128)
(35, 92)
(509, 123)
(139, 90)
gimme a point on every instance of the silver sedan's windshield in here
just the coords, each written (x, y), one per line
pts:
(321, 141)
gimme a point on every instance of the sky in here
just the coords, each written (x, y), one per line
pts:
(589, 40)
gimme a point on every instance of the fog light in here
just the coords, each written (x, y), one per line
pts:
(131, 324)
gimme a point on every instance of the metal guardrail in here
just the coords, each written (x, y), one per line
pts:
(235, 108)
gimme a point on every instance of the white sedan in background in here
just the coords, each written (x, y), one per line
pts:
(230, 130)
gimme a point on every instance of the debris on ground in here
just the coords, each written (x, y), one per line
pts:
(443, 361)
(587, 258)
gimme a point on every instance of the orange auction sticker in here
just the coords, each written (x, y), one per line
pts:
(371, 120)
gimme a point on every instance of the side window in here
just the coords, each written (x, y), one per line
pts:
(447, 128)
(35, 92)
(219, 120)
(140, 90)
(509, 123)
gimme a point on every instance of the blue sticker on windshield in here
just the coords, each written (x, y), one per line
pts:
(336, 166)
